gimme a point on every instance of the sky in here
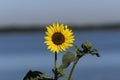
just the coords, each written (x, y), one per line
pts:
(15, 12)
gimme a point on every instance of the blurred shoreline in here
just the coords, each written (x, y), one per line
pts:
(36, 28)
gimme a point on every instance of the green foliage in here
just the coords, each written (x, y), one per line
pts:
(78, 51)
(95, 52)
(67, 59)
(60, 72)
(87, 48)
(37, 75)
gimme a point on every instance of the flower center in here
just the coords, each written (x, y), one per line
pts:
(58, 38)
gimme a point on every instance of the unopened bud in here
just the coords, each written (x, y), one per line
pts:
(87, 46)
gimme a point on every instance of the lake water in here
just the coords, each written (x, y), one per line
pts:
(20, 52)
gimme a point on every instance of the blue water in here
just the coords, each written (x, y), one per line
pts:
(20, 52)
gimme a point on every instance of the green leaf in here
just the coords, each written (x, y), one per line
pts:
(95, 52)
(60, 72)
(78, 51)
(67, 59)
(37, 75)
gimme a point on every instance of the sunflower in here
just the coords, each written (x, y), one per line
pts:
(58, 37)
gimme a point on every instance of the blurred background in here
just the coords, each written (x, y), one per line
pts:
(22, 27)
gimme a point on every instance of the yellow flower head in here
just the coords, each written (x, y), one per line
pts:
(58, 37)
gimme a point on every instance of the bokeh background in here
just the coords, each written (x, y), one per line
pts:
(22, 27)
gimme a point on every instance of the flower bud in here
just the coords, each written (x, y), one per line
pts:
(87, 46)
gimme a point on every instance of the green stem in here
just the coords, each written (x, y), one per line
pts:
(55, 77)
(73, 67)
